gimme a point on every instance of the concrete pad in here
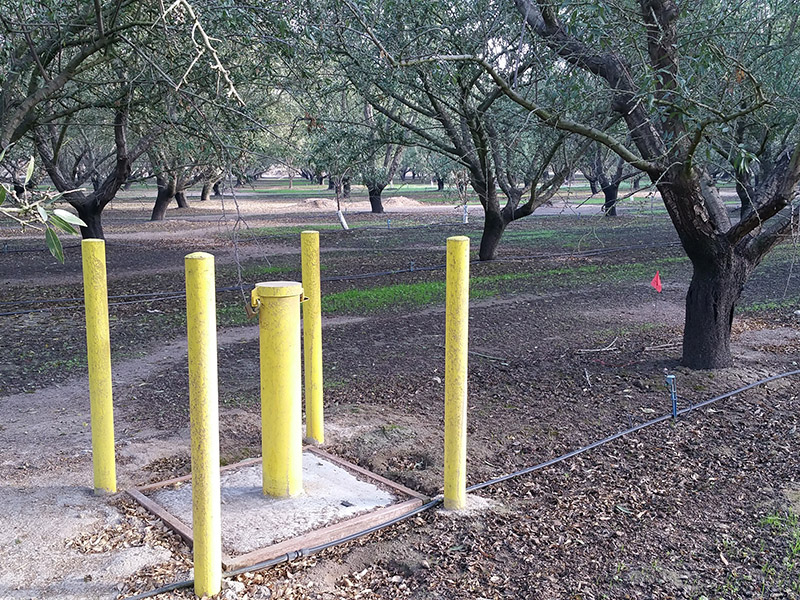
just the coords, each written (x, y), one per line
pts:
(337, 499)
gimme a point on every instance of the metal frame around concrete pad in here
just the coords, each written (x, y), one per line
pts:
(313, 538)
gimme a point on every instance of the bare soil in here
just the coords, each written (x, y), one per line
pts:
(569, 345)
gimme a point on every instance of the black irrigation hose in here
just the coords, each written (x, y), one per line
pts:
(143, 297)
(303, 552)
(411, 269)
(7, 250)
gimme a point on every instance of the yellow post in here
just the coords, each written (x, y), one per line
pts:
(281, 391)
(201, 327)
(98, 347)
(312, 336)
(455, 373)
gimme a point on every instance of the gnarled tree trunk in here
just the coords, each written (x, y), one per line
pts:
(180, 198)
(610, 193)
(713, 293)
(205, 192)
(493, 227)
(495, 220)
(166, 192)
(375, 191)
(90, 213)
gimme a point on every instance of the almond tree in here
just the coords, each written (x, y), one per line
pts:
(454, 108)
(681, 76)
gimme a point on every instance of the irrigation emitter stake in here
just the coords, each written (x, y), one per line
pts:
(673, 394)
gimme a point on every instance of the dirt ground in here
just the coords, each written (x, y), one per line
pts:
(569, 344)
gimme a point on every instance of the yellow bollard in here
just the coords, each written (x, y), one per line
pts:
(455, 373)
(312, 336)
(278, 305)
(98, 347)
(201, 328)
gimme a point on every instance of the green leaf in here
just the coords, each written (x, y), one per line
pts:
(3, 153)
(42, 213)
(54, 245)
(69, 217)
(63, 225)
(2, 194)
(29, 171)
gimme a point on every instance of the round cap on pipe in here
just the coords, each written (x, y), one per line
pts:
(278, 289)
(198, 256)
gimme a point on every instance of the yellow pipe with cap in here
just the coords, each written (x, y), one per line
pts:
(278, 304)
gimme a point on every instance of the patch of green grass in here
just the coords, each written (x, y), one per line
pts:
(64, 364)
(784, 525)
(376, 298)
(328, 383)
(231, 314)
(254, 271)
(785, 303)
(538, 235)
(407, 295)
(780, 522)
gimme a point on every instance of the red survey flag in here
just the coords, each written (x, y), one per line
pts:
(656, 283)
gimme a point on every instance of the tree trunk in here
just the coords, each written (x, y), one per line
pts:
(166, 191)
(217, 190)
(89, 214)
(331, 183)
(595, 187)
(493, 227)
(345, 187)
(439, 184)
(710, 302)
(375, 201)
(205, 193)
(611, 193)
(180, 197)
